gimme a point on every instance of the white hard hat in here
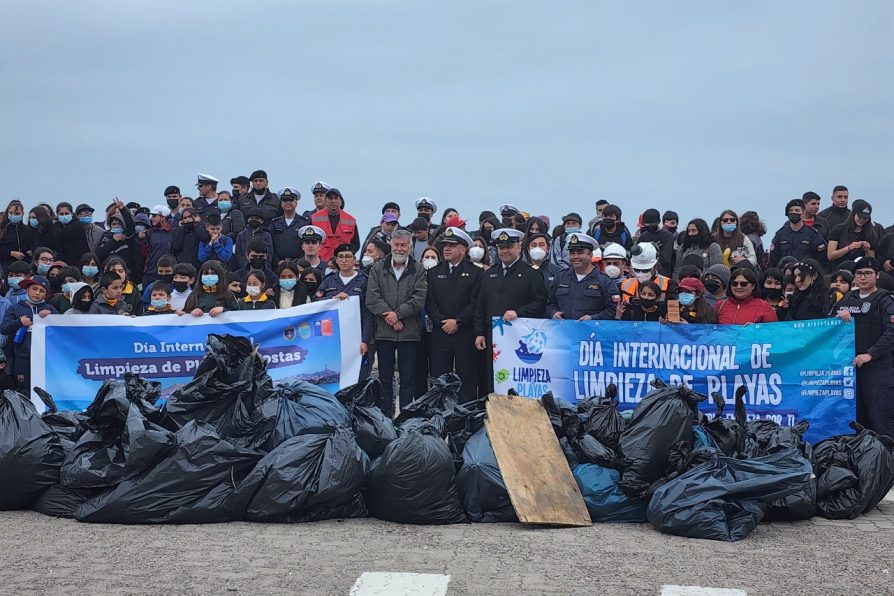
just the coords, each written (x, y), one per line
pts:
(644, 256)
(614, 251)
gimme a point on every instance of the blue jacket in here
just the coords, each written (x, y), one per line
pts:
(222, 250)
(11, 327)
(332, 285)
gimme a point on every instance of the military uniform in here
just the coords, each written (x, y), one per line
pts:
(873, 318)
(453, 295)
(518, 287)
(805, 243)
(595, 295)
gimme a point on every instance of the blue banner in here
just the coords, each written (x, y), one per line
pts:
(71, 355)
(792, 371)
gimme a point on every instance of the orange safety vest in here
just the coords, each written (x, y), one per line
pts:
(630, 286)
(342, 234)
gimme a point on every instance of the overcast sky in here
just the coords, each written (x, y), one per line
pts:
(695, 106)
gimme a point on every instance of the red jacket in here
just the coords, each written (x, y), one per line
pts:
(751, 310)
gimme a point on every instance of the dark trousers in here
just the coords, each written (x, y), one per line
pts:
(457, 353)
(487, 378)
(423, 365)
(875, 399)
(405, 351)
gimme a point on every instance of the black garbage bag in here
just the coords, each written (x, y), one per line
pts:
(662, 419)
(68, 426)
(766, 436)
(725, 498)
(729, 435)
(189, 485)
(310, 477)
(120, 442)
(413, 482)
(480, 483)
(373, 428)
(854, 472)
(603, 421)
(605, 500)
(442, 398)
(305, 408)
(30, 452)
(563, 416)
(228, 391)
(590, 450)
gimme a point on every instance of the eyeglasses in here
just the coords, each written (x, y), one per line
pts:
(739, 284)
(729, 220)
(344, 257)
(869, 273)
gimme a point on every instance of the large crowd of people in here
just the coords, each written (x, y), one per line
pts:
(430, 282)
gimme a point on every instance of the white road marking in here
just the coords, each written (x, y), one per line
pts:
(671, 590)
(405, 584)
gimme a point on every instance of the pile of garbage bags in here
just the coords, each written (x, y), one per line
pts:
(233, 445)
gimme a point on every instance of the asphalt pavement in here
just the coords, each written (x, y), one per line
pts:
(52, 556)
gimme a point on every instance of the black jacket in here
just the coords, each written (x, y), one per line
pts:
(453, 295)
(286, 240)
(269, 205)
(521, 289)
(16, 237)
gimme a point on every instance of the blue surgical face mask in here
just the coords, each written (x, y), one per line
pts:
(210, 280)
(686, 299)
(572, 229)
(43, 267)
(33, 222)
(15, 218)
(14, 282)
(87, 219)
(66, 288)
(116, 230)
(65, 219)
(89, 270)
(287, 284)
(139, 229)
(159, 304)
(225, 205)
(728, 227)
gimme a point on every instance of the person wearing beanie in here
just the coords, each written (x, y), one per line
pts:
(715, 279)
(652, 231)
(796, 238)
(260, 197)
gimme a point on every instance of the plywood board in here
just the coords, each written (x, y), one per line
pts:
(540, 484)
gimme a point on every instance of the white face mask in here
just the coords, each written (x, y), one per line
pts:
(537, 254)
(643, 277)
(398, 258)
(367, 260)
(476, 253)
(613, 271)
(253, 290)
(429, 263)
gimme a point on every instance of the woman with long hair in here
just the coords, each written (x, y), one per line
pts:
(16, 242)
(744, 304)
(752, 226)
(697, 241)
(45, 231)
(211, 294)
(855, 238)
(772, 282)
(734, 245)
(693, 306)
(811, 299)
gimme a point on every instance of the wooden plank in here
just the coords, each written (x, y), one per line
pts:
(540, 484)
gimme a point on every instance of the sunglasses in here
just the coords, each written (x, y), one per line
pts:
(739, 284)
(728, 220)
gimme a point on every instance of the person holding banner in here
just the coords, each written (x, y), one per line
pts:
(509, 290)
(18, 326)
(872, 310)
(742, 307)
(583, 292)
(211, 294)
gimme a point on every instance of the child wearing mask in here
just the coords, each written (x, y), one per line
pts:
(210, 295)
(90, 269)
(645, 307)
(255, 296)
(183, 280)
(81, 298)
(234, 284)
(289, 291)
(19, 327)
(68, 276)
(160, 299)
(109, 301)
(17, 273)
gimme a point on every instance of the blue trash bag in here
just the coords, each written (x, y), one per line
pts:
(725, 498)
(605, 501)
(702, 438)
(480, 483)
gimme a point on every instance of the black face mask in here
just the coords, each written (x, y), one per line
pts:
(672, 230)
(486, 234)
(254, 224)
(773, 293)
(713, 286)
(55, 284)
(648, 302)
(257, 262)
(172, 203)
(608, 226)
(168, 278)
(180, 286)
(652, 228)
(794, 217)
(311, 286)
(82, 306)
(187, 226)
